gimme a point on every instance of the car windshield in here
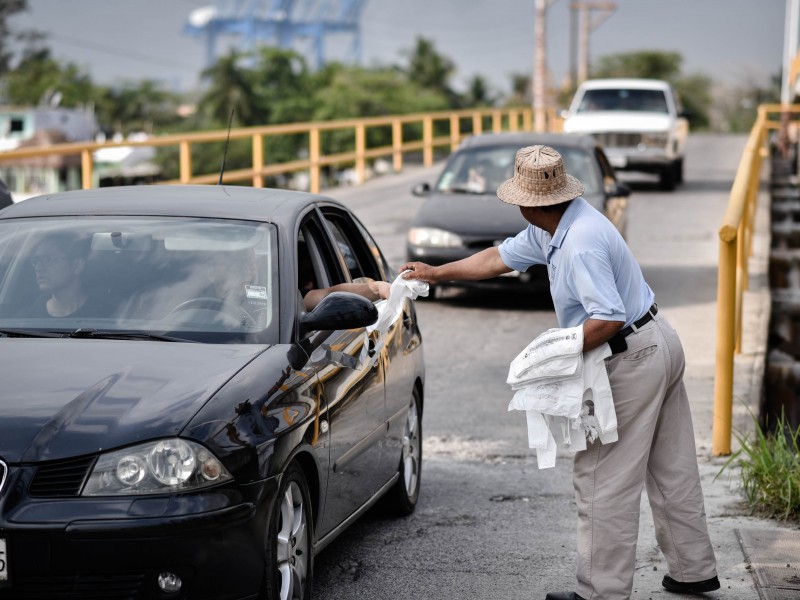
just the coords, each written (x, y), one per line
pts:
(200, 280)
(621, 99)
(481, 170)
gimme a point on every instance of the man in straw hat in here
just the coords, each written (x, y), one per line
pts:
(596, 282)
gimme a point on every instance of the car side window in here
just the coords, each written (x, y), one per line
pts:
(354, 249)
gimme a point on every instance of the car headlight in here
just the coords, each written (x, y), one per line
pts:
(165, 466)
(431, 237)
(655, 139)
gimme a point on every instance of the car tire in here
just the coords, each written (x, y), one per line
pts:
(289, 544)
(666, 179)
(403, 496)
(679, 171)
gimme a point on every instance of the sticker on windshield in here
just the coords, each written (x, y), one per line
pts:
(255, 291)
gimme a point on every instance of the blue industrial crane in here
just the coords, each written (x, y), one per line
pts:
(278, 22)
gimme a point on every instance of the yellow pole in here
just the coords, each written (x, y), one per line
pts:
(185, 161)
(313, 158)
(527, 120)
(427, 142)
(455, 132)
(361, 146)
(87, 174)
(397, 145)
(723, 380)
(497, 122)
(258, 160)
(477, 123)
(513, 120)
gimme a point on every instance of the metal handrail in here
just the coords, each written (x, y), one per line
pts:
(502, 119)
(735, 248)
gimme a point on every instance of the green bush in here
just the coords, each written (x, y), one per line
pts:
(770, 470)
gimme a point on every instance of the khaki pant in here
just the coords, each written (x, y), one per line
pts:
(656, 447)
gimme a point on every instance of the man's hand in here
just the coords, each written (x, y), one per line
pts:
(420, 271)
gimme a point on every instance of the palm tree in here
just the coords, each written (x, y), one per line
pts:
(230, 88)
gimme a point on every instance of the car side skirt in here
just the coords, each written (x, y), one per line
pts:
(321, 544)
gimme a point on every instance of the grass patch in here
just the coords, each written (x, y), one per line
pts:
(769, 464)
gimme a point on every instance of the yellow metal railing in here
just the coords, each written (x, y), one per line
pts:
(735, 247)
(477, 120)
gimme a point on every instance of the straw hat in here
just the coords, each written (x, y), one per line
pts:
(539, 179)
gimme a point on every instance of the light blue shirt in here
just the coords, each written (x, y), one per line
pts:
(593, 273)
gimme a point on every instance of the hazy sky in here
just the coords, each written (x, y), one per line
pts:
(732, 40)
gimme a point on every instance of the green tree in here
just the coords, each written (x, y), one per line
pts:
(230, 88)
(39, 77)
(650, 64)
(352, 92)
(283, 87)
(479, 93)
(694, 92)
(430, 70)
(136, 106)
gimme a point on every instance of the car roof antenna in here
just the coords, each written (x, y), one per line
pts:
(225, 153)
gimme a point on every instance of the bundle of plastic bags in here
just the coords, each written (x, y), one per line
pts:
(564, 392)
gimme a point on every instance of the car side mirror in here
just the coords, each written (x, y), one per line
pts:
(339, 310)
(686, 114)
(421, 189)
(619, 189)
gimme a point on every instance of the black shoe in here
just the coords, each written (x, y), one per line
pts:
(690, 587)
(563, 596)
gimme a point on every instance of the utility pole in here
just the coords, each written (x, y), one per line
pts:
(540, 67)
(586, 25)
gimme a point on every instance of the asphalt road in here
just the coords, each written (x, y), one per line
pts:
(489, 524)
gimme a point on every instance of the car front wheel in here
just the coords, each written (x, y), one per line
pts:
(289, 564)
(403, 496)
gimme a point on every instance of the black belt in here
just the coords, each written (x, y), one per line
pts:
(618, 343)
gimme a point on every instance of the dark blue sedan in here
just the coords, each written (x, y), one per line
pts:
(173, 422)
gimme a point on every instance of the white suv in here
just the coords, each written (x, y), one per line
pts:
(638, 122)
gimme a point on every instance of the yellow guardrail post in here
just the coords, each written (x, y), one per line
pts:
(513, 120)
(477, 123)
(87, 173)
(185, 161)
(455, 132)
(397, 145)
(258, 160)
(361, 147)
(313, 157)
(497, 122)
(427, 141)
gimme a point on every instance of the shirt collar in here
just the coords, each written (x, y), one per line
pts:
(566, 221)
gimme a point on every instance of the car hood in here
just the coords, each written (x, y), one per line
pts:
(617, 121)
(67, 397)
(471, 216)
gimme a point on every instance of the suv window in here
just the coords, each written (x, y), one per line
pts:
(622, 99)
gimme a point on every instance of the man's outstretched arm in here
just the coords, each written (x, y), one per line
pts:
(483, 265)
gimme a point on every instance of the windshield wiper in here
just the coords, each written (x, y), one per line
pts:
(32, 333)
(123, 335)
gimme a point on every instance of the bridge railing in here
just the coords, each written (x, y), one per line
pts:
(457, 124)
(735, 248)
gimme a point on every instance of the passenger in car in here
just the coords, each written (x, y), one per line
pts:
(312, 295)
(58, 263)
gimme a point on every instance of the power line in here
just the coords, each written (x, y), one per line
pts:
(137, 56)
